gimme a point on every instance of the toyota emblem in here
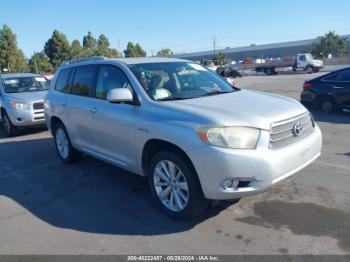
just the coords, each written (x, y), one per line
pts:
(297, 128)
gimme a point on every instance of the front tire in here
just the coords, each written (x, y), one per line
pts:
(10, 129)
(309, 69)
(64, 147)
(175, 186)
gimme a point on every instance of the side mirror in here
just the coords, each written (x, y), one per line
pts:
(119, 95)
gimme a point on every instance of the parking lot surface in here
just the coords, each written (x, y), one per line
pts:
(47, 207)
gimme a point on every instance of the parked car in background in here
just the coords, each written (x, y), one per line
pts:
(193, 134)
(330, 92)
(22, 101)
(229, 71)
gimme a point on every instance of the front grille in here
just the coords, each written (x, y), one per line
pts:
(284, 132)
(38, 106)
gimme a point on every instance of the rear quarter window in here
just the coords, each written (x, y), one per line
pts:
(62, 80)
(343, 76)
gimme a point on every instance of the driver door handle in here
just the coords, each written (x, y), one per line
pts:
(92, 109)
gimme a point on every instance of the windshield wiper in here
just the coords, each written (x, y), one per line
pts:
(172, 98)
(216, 92)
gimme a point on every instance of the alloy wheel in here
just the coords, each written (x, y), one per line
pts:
(62, 143)
(170, 185)
(7, 123)
(327, 107)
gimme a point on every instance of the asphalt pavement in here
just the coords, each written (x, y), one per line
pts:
(47, 207)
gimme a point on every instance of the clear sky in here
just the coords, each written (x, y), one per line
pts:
(182, 25)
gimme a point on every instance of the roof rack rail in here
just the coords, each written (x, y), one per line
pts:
(80, 60)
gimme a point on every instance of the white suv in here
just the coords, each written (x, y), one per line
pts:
(194, 135)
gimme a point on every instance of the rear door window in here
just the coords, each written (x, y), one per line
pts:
(83, 80)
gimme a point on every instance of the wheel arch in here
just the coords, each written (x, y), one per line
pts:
(54, 120)
(2, 110)
(154, 146)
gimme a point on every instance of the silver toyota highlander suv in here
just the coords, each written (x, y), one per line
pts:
(22, 101)
(194, 135)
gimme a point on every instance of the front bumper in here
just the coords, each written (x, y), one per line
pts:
(24, 118)
(262, 166)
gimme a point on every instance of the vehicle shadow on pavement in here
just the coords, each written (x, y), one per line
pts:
(89, 196)
(335, 118)
(24, 132)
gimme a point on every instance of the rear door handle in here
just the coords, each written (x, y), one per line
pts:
(93, 109)
(338, 87)
(64, 103)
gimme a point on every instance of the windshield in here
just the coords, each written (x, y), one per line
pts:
(309, 57)
(25, 84)
(179, 80)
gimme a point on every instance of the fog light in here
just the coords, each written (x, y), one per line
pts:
(230, 183)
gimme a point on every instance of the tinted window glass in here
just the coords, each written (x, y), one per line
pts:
(83, 80)
(342, 76)
(110, 77)
(62, 80)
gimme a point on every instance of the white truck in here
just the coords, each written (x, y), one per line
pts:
(303, 61)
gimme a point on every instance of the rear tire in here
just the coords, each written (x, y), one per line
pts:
(65, 150)
(175, 186)
(10, 129)
(327, 105)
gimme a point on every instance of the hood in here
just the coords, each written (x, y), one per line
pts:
(316, 62)
(244, 108)
(28, 97)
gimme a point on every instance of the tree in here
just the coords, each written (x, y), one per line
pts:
(11, 57)
(57, 49)
(102, 42)
(219, 59)
(140, 51)
(39, 62)
(102, 46)
(89, 41)
(75, 49)
(112, 53)
(134, 50)
(165, 52)
(330, 43)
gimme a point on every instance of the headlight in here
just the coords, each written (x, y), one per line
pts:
(20, 105)
(230, 137)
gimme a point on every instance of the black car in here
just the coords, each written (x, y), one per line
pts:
(330, 92)
(228, 71)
